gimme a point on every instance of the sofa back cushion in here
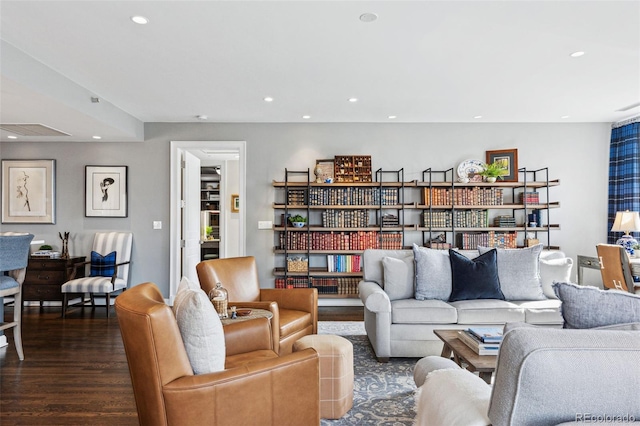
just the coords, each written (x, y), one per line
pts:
(474, 278)
(519, 272)
(398, 277)
(554, 270)
(372, 269)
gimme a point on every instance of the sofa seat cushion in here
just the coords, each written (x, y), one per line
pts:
(488, 311)
(292, 321)
(541, 311)
(412, 311)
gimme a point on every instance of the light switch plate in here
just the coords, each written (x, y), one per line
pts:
(265, 224)
(157, 224)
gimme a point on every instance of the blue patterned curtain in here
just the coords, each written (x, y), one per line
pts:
(624, 173)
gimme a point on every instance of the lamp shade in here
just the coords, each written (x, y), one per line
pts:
(626, 222)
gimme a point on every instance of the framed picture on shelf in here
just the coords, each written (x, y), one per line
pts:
(28, 191)
(235, 203)
(508, 158)
(106, 191)
(324, 170)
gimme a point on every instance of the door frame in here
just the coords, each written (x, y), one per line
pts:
(177, 147)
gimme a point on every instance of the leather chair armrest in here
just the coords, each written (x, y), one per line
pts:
(283, 390)
(275, 320)
(299, 299)
(248, 336)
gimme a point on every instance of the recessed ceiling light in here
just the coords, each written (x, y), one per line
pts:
(139, 20)
(392, 117)
(12, 137)
(306, 117)
(353, 99)
(202, 117)
(97, 137)
(565, 116)
(577, 54)
(268, 99)
(368, 17)
(477, 117)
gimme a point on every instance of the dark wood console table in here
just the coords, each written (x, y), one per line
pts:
(44, 277)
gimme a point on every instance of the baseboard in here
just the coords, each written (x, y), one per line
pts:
(3, 341)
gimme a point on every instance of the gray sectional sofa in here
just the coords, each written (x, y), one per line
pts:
(400, 325)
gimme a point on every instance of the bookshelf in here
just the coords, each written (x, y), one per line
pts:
(343, 220)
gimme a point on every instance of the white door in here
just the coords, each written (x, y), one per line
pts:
(190, 215)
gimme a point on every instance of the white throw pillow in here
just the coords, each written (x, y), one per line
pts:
(433, 273)
(453, 397)
(201, 330)
(554, 270)
(519, 272)
(398, 277)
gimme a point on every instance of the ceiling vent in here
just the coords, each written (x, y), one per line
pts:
(32, 129)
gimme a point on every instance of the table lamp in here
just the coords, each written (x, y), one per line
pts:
(626, 222)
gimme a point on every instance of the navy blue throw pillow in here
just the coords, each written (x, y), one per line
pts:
(474, 278)
(103, 266)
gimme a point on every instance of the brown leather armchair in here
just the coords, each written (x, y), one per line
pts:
(257, 386)
(295, 311)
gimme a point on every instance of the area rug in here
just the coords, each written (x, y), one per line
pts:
(383, 392)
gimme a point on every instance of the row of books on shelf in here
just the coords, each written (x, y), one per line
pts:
(356, 240)
(471, 240)
(529, 197)
(475, 196)
(459, 219)
(353, 196)
(483, 340)
(344, 263)
(345, 218)
(324, 285)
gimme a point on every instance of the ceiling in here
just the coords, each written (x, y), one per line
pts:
(420, 61)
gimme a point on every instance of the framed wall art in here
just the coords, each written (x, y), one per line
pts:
(28, 191)
(508, 158)
(324, 170)
(106, 191)
(235, 203)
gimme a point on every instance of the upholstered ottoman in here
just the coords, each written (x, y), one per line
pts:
(336, 372)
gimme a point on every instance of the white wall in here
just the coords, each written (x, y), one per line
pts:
(577, 154)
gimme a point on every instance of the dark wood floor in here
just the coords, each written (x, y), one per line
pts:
(75, 370)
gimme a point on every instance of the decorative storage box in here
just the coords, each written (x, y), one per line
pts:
(297, 264)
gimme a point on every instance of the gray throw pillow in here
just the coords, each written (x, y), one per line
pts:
(519, 272)
(433, 273)
(590, 307)
(398, 277)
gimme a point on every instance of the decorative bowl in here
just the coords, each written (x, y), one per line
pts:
(298, 224)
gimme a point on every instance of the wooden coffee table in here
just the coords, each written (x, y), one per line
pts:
(464, 356)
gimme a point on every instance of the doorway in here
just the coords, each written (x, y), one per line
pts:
(187, 157)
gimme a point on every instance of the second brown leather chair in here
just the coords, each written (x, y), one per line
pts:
(295, 311)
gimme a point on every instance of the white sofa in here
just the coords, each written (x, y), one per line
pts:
(399, 325)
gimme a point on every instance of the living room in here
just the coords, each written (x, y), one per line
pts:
(508, 62)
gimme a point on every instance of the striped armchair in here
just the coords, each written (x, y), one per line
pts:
(105, 278)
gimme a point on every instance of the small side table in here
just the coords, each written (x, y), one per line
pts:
(587, 262)
(255, 313)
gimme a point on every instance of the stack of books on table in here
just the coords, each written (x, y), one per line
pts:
(483, 340)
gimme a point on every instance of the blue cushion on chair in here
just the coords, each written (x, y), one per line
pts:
(103, 266)
(6, 282)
